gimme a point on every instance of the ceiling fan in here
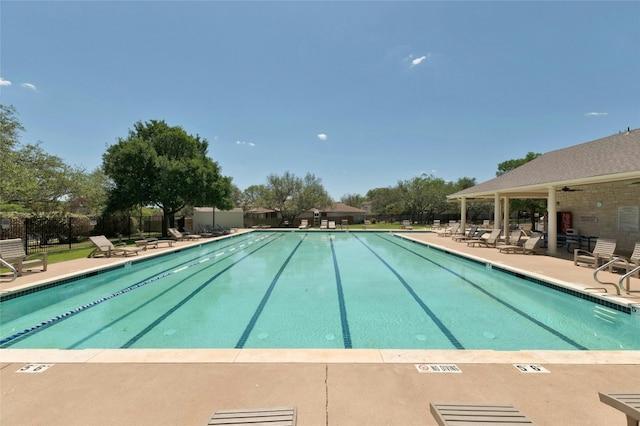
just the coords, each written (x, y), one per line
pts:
(567, 189)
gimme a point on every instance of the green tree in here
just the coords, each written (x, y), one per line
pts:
(164, 166)
(291, 195)
(532, 206)
(424, 197)
(353, 200)
(386, 201)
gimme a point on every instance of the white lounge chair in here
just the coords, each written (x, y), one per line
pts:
(528, 247)
(406, 224)
(323, 224)
(602, 252)
(490, 241)
(12, 251)
(107, 248)
(332, 224)
(179, 236)
(629, 263)
(304, 224)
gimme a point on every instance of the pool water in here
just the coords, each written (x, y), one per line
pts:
(311, 290)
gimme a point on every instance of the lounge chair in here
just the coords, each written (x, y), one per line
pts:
(436, 224)
(332, 224)
(512, 240)
(467, 236)
(12, 251)
(528, 247)
(602, 252)
(627, 402)
(406, 224)
(323, 224)
(281, 416)
(179, 236)
(449, 231)
(304, 224)
(107, 248)
(490, 241)
(629, 263)
(344, 224)
(478, 414)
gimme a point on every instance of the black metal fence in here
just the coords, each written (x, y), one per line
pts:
(53, 233)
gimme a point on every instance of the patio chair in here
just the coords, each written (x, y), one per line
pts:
(528, 247)
(477, 414)
(602, 252)
(629, 263)
(512, 240)
(449, 231)
(107, 248)
(284, 416)
(332, 224)
(179, 236)
(406, 224)
(626, 402)
(304, 224)
(12, 251)
(323, 224)
(490, 241)
(463, 237)
(436, 224)
(344, 224)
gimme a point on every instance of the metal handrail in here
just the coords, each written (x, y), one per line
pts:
(627, 276)
(10, 266)
(595, 276)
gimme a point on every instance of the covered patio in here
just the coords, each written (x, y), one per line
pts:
(598, 182)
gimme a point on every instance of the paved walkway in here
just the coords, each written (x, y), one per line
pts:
(328, 387)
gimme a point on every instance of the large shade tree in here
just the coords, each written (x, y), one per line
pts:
(164, 166)
(291, 195)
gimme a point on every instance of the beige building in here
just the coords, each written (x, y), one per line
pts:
(594, 187)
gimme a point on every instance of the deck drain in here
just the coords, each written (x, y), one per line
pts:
(438, 368)
(530, 368)
(34, 368)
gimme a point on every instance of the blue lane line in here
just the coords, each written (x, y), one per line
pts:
(247, 331)
(346, 334)
(496, 298)
(10, 340)
(443, 328)
(191, 295)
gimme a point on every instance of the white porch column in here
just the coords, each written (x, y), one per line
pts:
(506, 218)
(463, 214)
(552, 221)
(496, 211)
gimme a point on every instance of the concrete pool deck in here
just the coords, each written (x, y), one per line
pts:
(328, 387)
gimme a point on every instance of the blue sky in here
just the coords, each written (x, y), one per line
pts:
(361, 94)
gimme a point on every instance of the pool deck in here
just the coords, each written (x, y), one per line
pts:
(328, 387)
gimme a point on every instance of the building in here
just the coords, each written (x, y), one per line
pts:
(596, 184)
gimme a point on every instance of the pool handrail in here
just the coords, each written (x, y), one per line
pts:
(10, 266)
(595, 276)
(627, 276)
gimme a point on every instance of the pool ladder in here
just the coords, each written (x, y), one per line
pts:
(620, 285)
(10, 266)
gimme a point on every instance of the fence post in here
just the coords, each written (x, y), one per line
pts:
(25, 240)
(70, 233)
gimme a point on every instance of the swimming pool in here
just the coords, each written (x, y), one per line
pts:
(312, 290)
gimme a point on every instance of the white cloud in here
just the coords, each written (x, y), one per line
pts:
(322, 137)
(4, 82)
(29, 86)
(418, 61)
(245, 143)
(596, 114)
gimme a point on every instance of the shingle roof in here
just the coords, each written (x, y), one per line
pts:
(342, 208)
(612, 158)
